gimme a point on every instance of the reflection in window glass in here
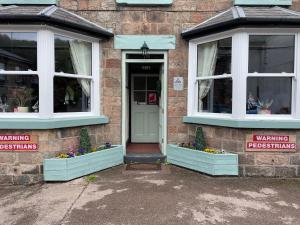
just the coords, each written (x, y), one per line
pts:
(269, 95)
(19, 93)
(71, 95)
(214, 58)
(73, 56)
(271, 53)
(139, 97)
(139, 83)
(215, 96)
(18, 51)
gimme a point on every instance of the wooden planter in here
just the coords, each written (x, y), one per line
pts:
(56, 169)
(212, 164)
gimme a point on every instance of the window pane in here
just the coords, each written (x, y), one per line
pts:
(19, 93)
(152, 83)
(71, 95)
(214, 58)
(18, 51)
(73, 56)
(271, 53)
(139, 97)
(139, 83)
(269, 95)
(215, 96)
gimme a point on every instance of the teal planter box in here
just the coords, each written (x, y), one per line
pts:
(263, 2)
(56, 169)
(212, 164)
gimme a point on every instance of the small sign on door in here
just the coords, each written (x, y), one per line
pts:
(178, 84)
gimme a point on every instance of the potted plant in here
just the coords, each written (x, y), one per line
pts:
(264, 106)
(197, 156)
(23, 99)
(81, 161)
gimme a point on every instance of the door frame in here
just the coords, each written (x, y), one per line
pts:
(125, 63)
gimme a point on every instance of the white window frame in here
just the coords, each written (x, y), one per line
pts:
(239, 71)
(46, 72)
(213, 77)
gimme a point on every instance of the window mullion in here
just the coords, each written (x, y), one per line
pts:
(239, 74)
(192, 90)
(95, 83)
(296, 93)
(46, 72)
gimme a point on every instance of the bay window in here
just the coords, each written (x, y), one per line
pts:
(48, 73)
(244, 75)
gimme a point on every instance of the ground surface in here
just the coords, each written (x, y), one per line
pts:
(180, 197)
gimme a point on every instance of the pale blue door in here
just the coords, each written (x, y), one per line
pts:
(144, 109)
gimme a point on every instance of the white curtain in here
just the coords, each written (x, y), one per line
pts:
(207, 59)
(81, 55)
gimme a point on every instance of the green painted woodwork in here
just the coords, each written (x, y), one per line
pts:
(258, 124)
(145, 2)
(263, 2)
(56, 169)
(53, 123)
(212, 164)
(154, 42)
(28, 2)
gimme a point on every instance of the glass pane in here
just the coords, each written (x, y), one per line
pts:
(271, 54)
(269, 95)
(152, 83)
(18, 51)
(139, 96)
(73, 56)
(139, 83)
(214, 58)
(72, 95)
(141, 56)
(215, 96)
(19, 93)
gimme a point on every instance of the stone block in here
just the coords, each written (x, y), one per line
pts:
(259, 171)
(7, 157)
(246, 159)
(241, 171)
(6, 179)
(4, 169)
(272, 159)
(22, 180)
(298, 171)
(29, 169)
(295, 160)
(29, 157)
(285, 171)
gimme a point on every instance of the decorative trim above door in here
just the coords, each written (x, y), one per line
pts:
(145, 2)
(154, 42)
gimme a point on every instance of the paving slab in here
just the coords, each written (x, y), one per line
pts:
(180, 197)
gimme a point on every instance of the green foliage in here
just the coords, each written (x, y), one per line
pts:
(91, 178)
(200, 141)
(85, 140)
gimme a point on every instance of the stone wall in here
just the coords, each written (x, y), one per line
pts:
(26, 167)
(266, 164)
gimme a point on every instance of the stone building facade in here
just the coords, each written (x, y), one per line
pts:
(23, 167)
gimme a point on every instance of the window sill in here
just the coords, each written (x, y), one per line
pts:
(53, 123)
(258, 123)
(145, 2)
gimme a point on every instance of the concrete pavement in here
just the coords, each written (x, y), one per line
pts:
(180, 197)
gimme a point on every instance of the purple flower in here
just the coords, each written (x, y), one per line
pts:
(107, 145)
(81, 151)
(71, 154)
(194, 144)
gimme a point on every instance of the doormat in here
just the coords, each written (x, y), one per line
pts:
(143, 166)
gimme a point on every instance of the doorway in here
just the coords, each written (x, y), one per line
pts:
(143, 103)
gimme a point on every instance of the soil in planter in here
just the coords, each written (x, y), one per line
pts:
(143, 167)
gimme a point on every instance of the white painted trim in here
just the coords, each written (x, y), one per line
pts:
(165, 90)
(46, 71)
(240, 47)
